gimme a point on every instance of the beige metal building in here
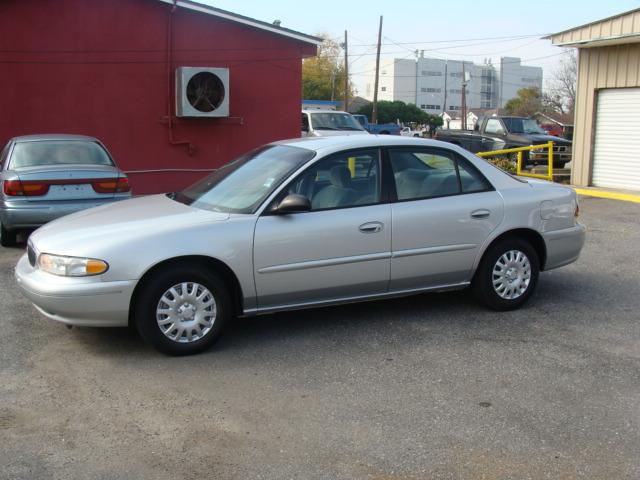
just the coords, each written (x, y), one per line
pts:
(606, 142)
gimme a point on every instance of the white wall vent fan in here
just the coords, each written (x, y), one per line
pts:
(202, 92)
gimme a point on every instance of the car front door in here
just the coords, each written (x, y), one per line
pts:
(445, 210)
(339, 249)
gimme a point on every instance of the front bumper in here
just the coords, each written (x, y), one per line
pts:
(85, 302)
(564, 246)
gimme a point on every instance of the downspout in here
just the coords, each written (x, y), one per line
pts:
(172, 141)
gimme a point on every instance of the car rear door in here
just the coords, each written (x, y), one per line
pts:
(340, 249)
(444, 212)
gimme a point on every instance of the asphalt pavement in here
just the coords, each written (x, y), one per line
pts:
(428, 387)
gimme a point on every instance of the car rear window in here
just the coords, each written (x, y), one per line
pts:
(58, 152)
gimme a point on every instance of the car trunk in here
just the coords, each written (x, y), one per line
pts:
(70, 182)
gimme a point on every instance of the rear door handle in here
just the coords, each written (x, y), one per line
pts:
(480, 214)
(371, 227)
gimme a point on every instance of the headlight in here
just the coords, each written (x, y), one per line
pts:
(71, 266)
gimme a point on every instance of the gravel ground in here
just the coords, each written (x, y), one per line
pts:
(428, 387)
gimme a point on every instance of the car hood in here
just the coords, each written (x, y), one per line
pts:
(118, 223)
(537, 139)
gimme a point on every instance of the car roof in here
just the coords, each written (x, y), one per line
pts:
(343, 142)
(319, 110)
(53, 136)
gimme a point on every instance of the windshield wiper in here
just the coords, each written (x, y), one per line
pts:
(350, 128)
(326, 128)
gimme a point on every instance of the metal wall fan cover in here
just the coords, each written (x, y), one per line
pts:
(202, 92)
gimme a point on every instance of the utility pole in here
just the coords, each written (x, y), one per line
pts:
(464, 98)
(374, 110)
(346, 73)
(444, 102)
(500, 87)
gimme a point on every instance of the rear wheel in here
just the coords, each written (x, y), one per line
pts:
(182, 311)
(8, 238)
(507, 275)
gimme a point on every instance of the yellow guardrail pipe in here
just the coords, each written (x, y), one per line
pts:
(518, 151)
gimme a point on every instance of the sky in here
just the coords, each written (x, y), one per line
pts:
(458, 30)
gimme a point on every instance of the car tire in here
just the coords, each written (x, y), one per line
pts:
(8, 238)
(507, 275)
(182, 311)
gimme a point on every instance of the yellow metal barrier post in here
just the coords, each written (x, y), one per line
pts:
(550, 158)
(518, 151)
(351, 165)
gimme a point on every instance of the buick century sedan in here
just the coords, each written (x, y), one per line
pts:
(297, 224)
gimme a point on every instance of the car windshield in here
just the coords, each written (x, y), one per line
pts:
(58, 152)
(334, 121)
(522, 125)
(243, 184)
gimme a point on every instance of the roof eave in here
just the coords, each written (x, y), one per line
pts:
(233, 17)
(550, 37)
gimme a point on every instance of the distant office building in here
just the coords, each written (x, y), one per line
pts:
(397, 81)
(435, 85)
(515, 76)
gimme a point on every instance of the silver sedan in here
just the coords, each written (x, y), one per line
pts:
(48, 176)
(297, 224)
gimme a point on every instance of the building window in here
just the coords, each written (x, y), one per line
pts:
(529, 80)
(433, 107)
(431, 73)
(383, 72)
(454, 107)
(434, 90)
(456, 74)
(423, 107)
(383, 89)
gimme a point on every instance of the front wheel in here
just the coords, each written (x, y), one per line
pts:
(182, 311)
(8, 238)
(507, 275)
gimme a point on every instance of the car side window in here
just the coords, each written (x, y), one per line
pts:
(430, 173)
(305, 123)
(346, 179)
(494, 126)
(471, 180)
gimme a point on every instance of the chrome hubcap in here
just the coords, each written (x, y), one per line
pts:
(186, 312)
(511, 275)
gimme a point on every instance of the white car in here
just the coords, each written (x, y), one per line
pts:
(297, 224)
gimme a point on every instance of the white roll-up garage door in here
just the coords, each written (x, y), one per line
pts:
(616, 154)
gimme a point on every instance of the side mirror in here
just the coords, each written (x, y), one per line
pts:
(293, 203)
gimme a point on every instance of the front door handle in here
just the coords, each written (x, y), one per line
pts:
(480, 214)
(371, 227)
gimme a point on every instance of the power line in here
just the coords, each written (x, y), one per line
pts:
(460, 40)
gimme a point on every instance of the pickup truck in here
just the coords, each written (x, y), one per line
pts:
(408, 132)
(378, 129)
(328, 123)
(497, 133)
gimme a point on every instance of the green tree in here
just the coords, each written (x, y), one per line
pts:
(391, 112)
(323, 75)
(433, 122)
(528, 102)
